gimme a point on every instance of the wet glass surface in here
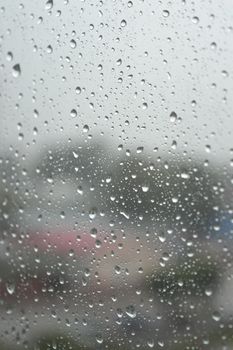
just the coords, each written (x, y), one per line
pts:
(116, 156)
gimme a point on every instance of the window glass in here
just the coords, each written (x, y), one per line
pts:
(116, 155)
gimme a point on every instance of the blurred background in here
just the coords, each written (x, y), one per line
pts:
(116, 155)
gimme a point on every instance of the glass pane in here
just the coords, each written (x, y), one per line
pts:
(116, 216)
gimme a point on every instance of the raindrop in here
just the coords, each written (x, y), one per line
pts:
(173, 116)
(92, 213)
(195, 20)
(49, 5)
(119, 62)
(213, 46)
(98, 243)
(216, 316)
(10, 287)
(73, 44)
(86, 128)
(130, 311)
(162, 236)
(73, 113)
(49, 49)
(78, 90)
(16, 70)
(75, 154)
(140, 149)
(99, 338)
(117, 269)
(145, 188)
(93, 232)
(166, 13)
(9, 56)
(62, 215)
(123, 23)
(151, 343)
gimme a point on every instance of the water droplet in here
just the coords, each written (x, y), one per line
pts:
(185, 176)
(49, 49)
(162, 236)
(195, 20)
(86, 128)
(208, 292)
(173, 117)
(123, 23)
(10, 287)
(73, 44)
(119, 62)
(93, 232)
(49, 5)
(130, 311)
(75, 154)
(99, 338)
(216, 316)
(166, 13)
(16, 70)
(92, 213)
(140, 149)
(117, 269)
(161, 343)
(151, 343)
(145, 188)
(9, 56)
(78, 90)
(62, 215)
(213, 46)
(174, 144)
(98, 243)
(73, 113)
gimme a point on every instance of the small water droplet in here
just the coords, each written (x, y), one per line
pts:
(62, 215)
(49, 49)
(10, 287)
(173, 117)
(117, 269)
(16, 70)
(166, 13)
(9, 56)
(75, 154)
(98, 243)
(78, 90)
(49, 5)
(195, 20)
(208, 292)
(93, 232)
(130, 311)
(140, 149)
(216, 316)
(73, 113)
(123, 23)
(145, 188)
(86, 128)
(73, 44)
(144, 105)
(99, 338)
(151, 343)
(92, 213)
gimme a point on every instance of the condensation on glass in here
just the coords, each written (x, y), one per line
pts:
(116, 156)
